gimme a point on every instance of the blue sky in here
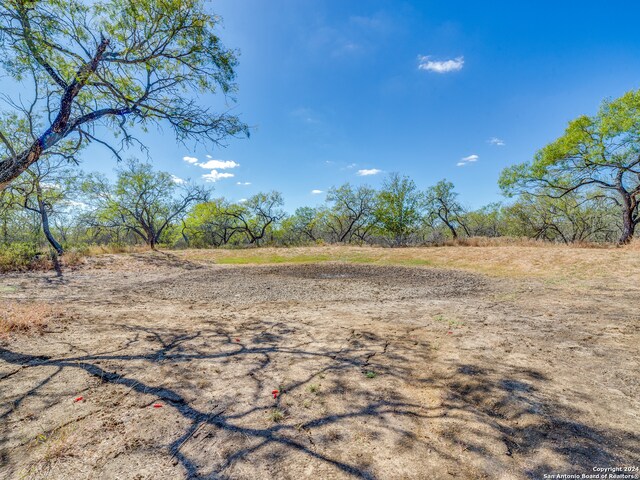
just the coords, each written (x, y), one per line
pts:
(333, 88)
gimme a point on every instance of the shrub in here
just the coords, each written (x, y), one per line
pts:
(22, 256)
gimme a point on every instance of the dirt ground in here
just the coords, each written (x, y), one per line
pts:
(507, 370)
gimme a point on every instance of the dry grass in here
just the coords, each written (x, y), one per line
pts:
(25, 318)
(93, 250)
(514, 242)
(552, 262)
(23, 257)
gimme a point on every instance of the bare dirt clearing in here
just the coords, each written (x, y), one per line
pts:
(382, 371)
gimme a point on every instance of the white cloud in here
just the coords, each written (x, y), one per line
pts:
(214, 176)
(213, 165)
(178, 180)
(316, 192)
(218, 164)
(496, 142)
(467, 160)
(369, 171)
(242, 200)
(440, 66)
(243, 183)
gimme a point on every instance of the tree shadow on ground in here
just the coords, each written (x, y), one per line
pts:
(489, 407)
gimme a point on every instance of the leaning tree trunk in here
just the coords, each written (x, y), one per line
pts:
(45, 223)
(450, 227)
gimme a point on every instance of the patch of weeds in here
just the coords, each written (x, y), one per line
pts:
(313, 388)
(449, 321)
(276, 415)
(53, 447)
(370, 374)
(306, 403)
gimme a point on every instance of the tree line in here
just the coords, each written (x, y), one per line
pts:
(56, 204)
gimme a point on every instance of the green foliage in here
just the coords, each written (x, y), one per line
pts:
(210, 223)
(351, 216)
(443, 207)
(19, 256)
(399, 208)
(598, 155)
(142, 201)
(118, 63)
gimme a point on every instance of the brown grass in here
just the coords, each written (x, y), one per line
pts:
(551, 262)
(516, 242)
(25, 318)
(93, 250)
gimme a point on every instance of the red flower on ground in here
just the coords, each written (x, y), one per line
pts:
(237, 339)
(157, 405)
(449, 332)
(275, 394)
(79, 399)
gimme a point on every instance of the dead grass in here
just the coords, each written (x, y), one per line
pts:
(93, 250)
(549, 262)
(515, 241)
(25, 318)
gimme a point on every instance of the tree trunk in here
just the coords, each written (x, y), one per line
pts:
(453, 230)
(628, 228)
(628, 223)
(45, 223)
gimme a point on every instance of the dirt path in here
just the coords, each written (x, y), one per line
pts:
(382, 372)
